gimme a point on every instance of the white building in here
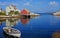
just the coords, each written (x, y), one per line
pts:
(11, 8)
(0, 9)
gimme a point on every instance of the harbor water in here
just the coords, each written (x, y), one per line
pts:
(44, 26)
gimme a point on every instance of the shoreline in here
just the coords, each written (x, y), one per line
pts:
(9, 16)
(17, 16)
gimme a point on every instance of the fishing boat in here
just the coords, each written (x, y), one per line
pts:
(11, 32)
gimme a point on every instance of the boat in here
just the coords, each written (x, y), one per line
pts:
(11, 32)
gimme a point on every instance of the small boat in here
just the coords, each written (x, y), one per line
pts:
(11, 32)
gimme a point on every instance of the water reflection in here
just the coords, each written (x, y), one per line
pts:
(9, 21)
(2, 20)
(55, 20)
(25, 21)
(13, 21)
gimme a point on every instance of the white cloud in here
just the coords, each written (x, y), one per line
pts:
(31, 0)
(3, 3)
(27, 3)
(27, 0)
(8, 3)
(14, 3)
(53, 3)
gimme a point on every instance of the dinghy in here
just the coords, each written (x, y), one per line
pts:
(11, 32)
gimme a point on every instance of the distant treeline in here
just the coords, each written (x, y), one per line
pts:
(46, 13)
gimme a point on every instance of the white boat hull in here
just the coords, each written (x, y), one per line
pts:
(17, 33)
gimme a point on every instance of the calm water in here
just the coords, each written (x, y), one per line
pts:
(39, 27)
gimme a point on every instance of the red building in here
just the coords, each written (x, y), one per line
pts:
(25, 12)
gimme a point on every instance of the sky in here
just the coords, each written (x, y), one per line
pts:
(37, 6)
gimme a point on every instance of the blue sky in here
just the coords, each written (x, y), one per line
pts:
(40, 6)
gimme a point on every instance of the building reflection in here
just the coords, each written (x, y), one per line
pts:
(11, 22)
(25, 20)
